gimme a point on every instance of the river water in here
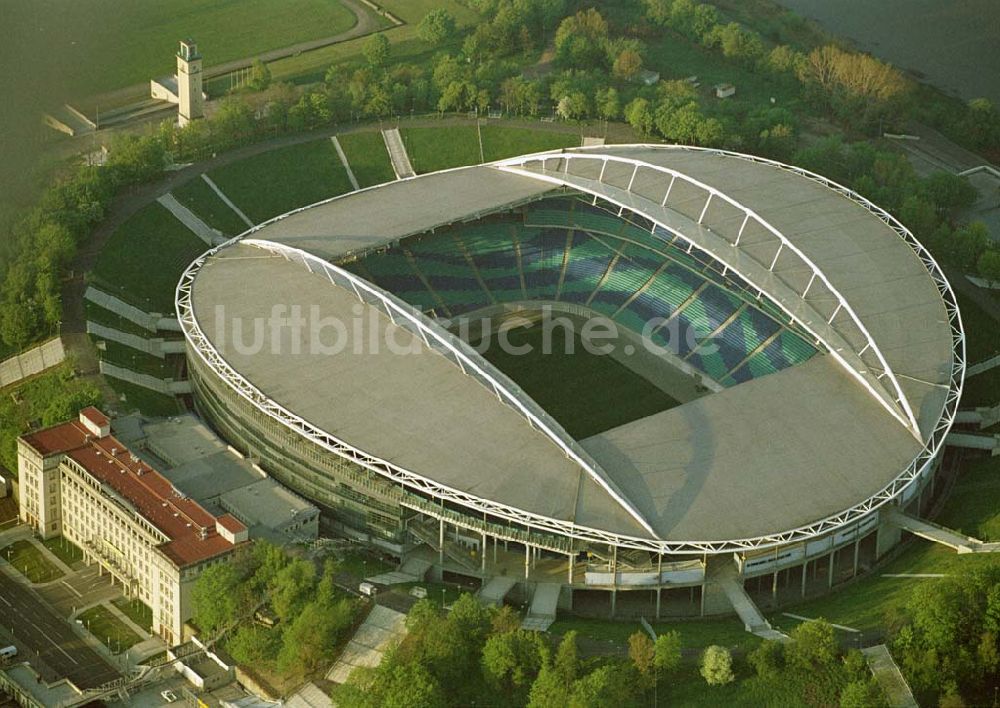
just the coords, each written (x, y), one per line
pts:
(953, 44)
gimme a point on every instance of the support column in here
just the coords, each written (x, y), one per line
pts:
(569, 568)
(614, 595)
(805, 574)
(659, 582)
(482, 553)
(441, 541)
(857, 547)
(527, 561)
(495, 549)
(829, 574)
(774, 588)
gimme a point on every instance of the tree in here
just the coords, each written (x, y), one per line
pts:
(567, 661)
(580, 39)
(260, 75)
(608, 685)
(292, 587)
(312, 635)
(608, 105)
(215, 598)
(253, 644)
(393, 684)
(627, 65)
(641, 652)
(862, 694)
(813, 646)
(717, 665)
(438, 26)
(639, 115)
(736, 42)
(988, 265)
(969, 243)
(667, 652)
(511, 662)
(376, 50)
(766, 659)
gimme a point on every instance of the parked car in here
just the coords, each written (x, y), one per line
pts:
(168, 695)
(368, 589)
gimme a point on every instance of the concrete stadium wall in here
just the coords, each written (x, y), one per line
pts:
(34, 361)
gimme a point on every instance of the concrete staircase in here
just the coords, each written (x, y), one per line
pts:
(542, 612)
(889, 677)
(496, 589)
(413, 570)
(725, 575)
(428, 533)
(975, 441)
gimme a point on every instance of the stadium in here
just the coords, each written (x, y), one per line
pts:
(788, 360)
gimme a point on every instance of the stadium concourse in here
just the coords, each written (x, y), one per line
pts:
(817, 394)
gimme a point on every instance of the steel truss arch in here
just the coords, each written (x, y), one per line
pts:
(898, 406)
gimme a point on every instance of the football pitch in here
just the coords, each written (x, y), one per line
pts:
(587, 393)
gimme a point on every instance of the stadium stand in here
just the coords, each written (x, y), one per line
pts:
(568, 250)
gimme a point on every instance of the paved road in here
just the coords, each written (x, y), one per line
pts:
(47, 640)
(82, 589)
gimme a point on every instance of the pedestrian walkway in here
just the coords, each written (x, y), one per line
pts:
(344, 162)
(227, 200)
(199, 228)
(397, 153)
(938, 534)
(167, 387)
(975, 441)
(542, 612)
(889, 677)
(381, 629)
(152, 321)
(982, 366)
(156, 346)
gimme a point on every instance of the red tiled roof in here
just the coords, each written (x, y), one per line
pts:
(190, 528)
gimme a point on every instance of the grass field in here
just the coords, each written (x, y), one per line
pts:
(274, 182)
(108, 629)
(31, 562)
(63, 549)
(981, 342)
(974, 505)
(199, 198)
(96, 313)
(368, 157)
(113, 44)
(433, 149)
(135, 610)
(501, 141)
(565, 383)
(137, 361)
(144, 258)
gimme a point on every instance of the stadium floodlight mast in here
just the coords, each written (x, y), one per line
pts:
(846, 520)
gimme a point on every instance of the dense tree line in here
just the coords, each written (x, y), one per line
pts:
(313, 616)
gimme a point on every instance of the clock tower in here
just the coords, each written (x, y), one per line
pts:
(191, 104)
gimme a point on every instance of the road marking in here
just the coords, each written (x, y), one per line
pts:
(810, 619)
(72, 588)
(42, 632)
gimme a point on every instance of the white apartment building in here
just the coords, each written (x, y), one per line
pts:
(79, 481)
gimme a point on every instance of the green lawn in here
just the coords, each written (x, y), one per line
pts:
(136, 610)
(275, 182)
(144, 258)
(114, 44)
(981, 342)
(433, 149)
(64, 549)
(106, 627)
(203, 201)
(695, 634)
(31, 562)
(362, 562)
(368, 157)
(587, 393)
(143, 400)
(501, 141)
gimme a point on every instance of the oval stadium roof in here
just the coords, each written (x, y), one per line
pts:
(785, 456)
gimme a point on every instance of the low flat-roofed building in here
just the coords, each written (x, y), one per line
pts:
(200, 465)
(81, 482)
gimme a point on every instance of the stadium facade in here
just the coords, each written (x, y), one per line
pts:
(816, 397)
